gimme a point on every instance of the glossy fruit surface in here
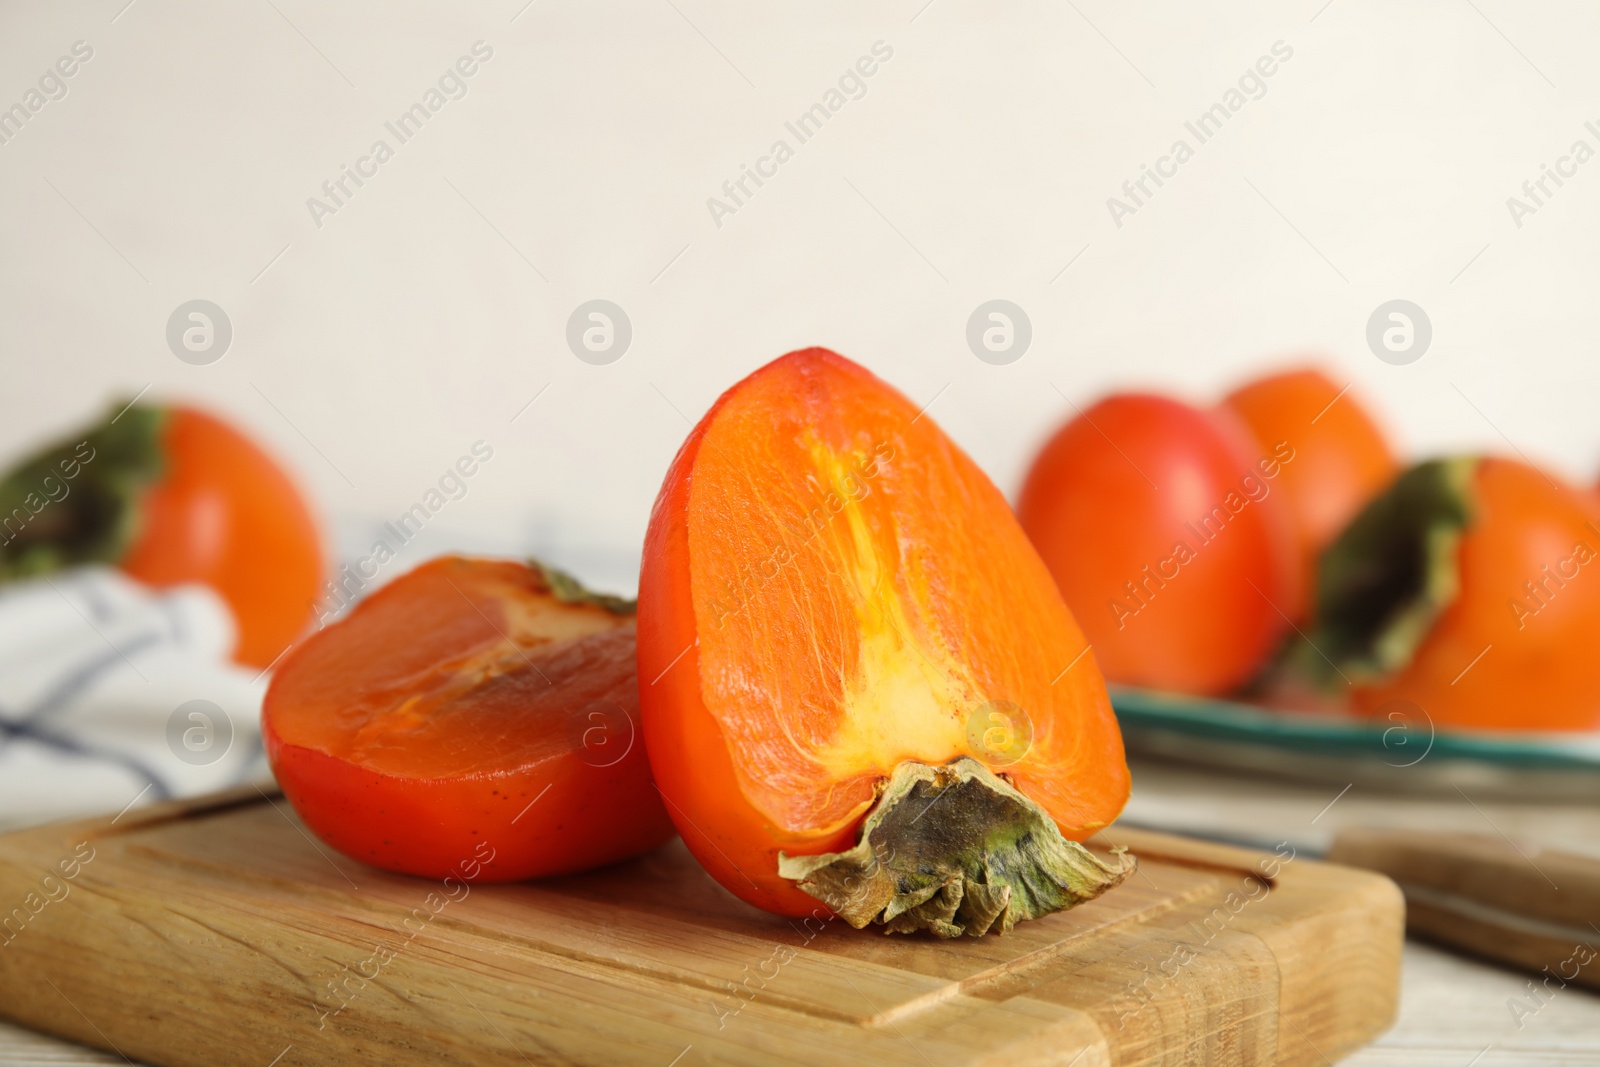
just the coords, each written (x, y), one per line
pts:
(224, 514)
(1342, 459)
(1469, 592)
(469, 705)
(1161, 524)
(830, 588)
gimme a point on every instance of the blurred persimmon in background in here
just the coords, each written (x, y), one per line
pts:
(1342, 458)
(170, 495)
(1470, 589)
(1161, 524)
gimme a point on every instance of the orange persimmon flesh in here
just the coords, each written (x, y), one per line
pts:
(462, 710)
(831, 587)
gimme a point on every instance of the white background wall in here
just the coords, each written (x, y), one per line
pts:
(379, 346)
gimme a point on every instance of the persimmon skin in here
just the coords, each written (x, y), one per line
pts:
(225, 515)
(688, 757)
(1115, 491)
(1539, 671)
(433, 827)
(691, 751)
(413, 737)
(1342, 459)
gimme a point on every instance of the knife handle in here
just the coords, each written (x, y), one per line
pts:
(1515, 903)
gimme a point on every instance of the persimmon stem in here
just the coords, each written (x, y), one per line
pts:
(955, 850)
(77, 501)
(1384, 582)
(567, 589)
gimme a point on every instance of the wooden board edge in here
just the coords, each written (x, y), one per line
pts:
(1350, 996)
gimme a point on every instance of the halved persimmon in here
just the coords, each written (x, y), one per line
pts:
(1467, 591)
(859, 684)
(474, 712)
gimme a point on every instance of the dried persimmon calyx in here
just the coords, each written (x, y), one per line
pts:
(93, 485)
(985, 858)
(1385, 581)
(567, 589)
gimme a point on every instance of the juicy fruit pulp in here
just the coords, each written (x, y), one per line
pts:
(830, 589)
(469, 701)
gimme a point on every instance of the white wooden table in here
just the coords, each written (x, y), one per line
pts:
(1453, 1010)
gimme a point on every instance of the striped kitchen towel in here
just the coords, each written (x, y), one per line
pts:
(113, 694)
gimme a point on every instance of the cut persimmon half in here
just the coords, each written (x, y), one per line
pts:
(473, 717)
(858, 682)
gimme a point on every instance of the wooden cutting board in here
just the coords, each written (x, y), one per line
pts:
(219, 931)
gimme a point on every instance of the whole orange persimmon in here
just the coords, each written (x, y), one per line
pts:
(1160, 522)
(1342, 458)
(859, 685)
(1470, 589)
(171, 495)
